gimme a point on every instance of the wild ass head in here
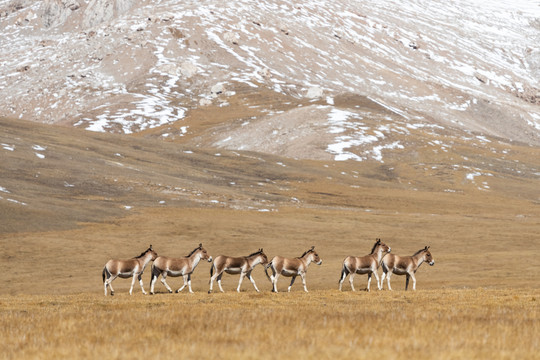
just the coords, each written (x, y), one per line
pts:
(205, 255)
(202, 252)
(260, 253)
(312, 255)
(153, 254)
(379, 245)
(427, 256)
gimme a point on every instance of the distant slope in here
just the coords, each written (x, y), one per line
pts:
(56, 177)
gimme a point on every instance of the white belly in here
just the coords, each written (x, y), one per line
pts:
(175, 273)
(233, 270)
(286, 272)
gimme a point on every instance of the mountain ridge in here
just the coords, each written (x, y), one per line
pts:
(127, 66)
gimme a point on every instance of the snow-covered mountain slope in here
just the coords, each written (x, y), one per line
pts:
(128, 66)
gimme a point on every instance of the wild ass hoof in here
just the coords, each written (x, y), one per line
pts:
(112, 293)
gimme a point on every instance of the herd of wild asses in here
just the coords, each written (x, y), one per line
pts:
(243, 265)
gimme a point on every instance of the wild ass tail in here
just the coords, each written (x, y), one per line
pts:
(105, 274)
(152, 273)
(344, 273)
(266, 270)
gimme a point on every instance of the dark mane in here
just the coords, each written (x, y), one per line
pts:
(142, 254)
(375, 246)
(193, 252)
(305, 253)
(419, 251)
(255, 253)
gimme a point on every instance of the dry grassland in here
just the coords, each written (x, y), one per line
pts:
(476, 302)
(427, 324)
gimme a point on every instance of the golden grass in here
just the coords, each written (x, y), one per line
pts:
(435, 324)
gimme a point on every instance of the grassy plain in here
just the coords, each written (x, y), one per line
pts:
(427, 324)
(475, 302)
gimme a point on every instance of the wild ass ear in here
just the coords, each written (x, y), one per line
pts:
(200, 245)
(312, 248)
(427, 247)
(150, 247)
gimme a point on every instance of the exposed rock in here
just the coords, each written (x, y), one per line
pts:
(265, 73)
(314, 92)
(169, 69)
(217, 89)
(231, 37)
(99, 11)
(188, 69)
(482, 78)
(205, 102)
(56, 12)
(73, 5)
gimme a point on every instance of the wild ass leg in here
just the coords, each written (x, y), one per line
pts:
(292, 282)
(185, 283)
(219, 282)
(368, 281)
(242, 275)
(413, 281)
(382, 279)
(344, 273)
(212, 278)
(189, 283)
(132, 283)
(407, 281)
(141, 283)
(351, 279)
(252, 280)
(379, 286)
(164, 281)
(153, 281)
(303, 275)
(388, 280)
(105, 284)
(274, 282)
(108, 283)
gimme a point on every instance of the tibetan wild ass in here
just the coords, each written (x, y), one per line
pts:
(368, 264)
(185, 266)
(291, 267)
(236, 265)
(405, 265)
(127, 268)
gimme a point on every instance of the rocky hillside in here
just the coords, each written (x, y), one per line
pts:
(335, 81)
